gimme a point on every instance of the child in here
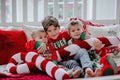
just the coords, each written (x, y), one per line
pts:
(60, 40)
(29, 61)
(75, 29)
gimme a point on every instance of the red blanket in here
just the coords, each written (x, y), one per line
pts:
(32, 76)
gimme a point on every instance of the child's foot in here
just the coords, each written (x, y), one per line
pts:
(76, 73)
(89, 72)
(98, 72)
(70, 72)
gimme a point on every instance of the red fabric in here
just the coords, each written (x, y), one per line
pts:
(13, 60)
(82, 44)
(105, 41)
(102, 52)
(54, 70)
(85, 23)
(60, 43)
(12, 41)
(111, 49)
(2, 38)
(106, 64)
(23, 55)
(107, 50)
(32, 66)
(30, 46)
(43, 65)
(35, 76)
(13, 70)
(53, 52)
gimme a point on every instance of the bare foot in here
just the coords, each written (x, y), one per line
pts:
(89, 72)
(70, 72)
(98, 72)
(76, 73)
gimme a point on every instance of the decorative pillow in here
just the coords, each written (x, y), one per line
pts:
(2, 38)
(88, 23)
(29, 30)
(110, 30)
(11, 42)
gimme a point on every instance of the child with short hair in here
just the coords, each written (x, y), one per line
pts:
(60, 40)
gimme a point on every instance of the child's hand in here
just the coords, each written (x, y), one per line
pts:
(87, 36)
(84, 36)
(98, 44)
(47, 56)
(42, 49)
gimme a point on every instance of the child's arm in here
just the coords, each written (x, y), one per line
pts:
(84, 36)
(100, 49)
(30, 45)
(41, 47)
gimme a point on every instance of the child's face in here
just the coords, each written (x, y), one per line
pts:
(53, 31)
(75, 31)
(41, 36)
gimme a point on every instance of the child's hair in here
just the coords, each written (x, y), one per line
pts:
(75, 22)
(37, 31)
(48, 21)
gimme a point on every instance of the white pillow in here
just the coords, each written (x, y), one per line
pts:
(30, 29)
(110, 30)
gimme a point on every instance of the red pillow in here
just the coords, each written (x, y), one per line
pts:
(11, 42)
(2, 38)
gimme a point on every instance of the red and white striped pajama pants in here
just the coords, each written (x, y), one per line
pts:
(25, 62)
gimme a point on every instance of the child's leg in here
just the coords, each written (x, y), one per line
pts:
(83, 57)
(72, 65)
(23, 68)
(17, 64)
(76, 73)
(47, 66)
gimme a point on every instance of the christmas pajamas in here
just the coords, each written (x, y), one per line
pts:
(25, 62)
